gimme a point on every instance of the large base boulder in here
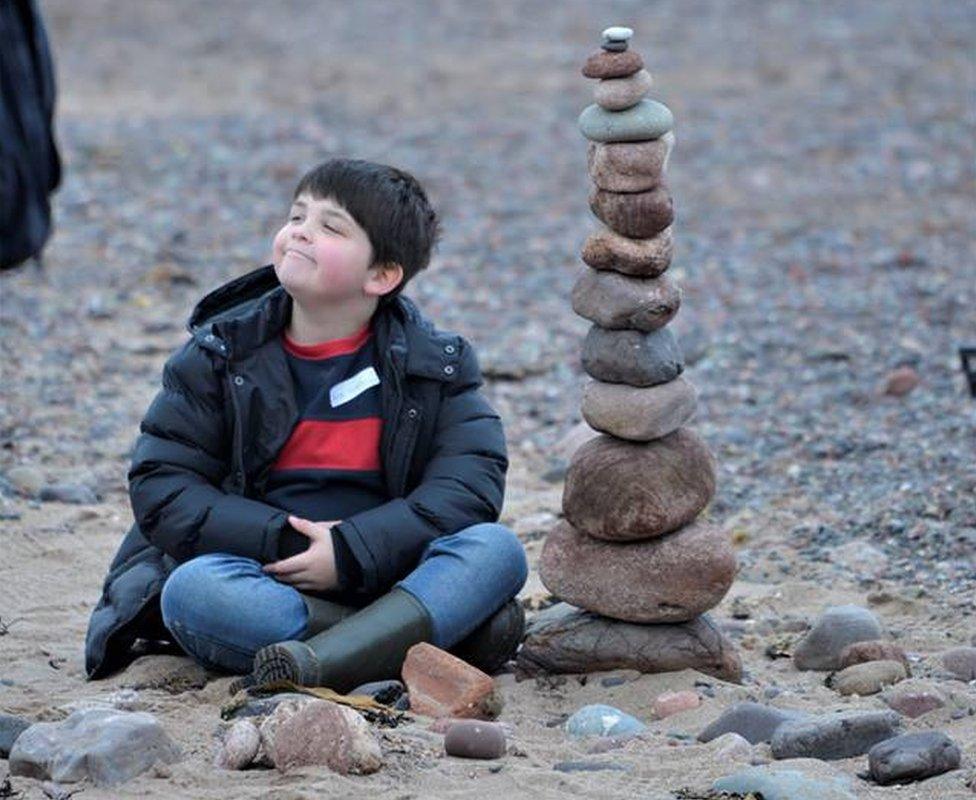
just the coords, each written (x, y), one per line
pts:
(627, 491)
(563, 639)
(673, 578)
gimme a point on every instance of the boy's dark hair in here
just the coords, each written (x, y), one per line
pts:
(386, 202)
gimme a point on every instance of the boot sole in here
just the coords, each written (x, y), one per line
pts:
(286, 661)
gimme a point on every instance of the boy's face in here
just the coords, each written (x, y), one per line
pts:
(322, 256)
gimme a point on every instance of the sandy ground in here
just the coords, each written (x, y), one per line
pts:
(183, 127)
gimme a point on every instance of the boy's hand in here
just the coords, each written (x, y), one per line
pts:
(314, 570)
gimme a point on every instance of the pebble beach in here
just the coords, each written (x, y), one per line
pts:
(823, 175)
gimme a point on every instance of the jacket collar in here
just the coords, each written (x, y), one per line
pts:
(243, 314)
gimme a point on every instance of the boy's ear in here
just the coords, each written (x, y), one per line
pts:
(385, 277)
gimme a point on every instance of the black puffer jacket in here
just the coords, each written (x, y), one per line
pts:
(227, 407)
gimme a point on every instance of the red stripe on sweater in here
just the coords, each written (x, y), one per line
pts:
(333, 347)
(333, 444)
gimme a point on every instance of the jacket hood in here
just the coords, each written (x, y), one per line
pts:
(244, 313)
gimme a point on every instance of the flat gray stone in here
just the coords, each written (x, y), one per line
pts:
(108, 747)
(752, 721)
(648, 119)
(836, 628)
(563, 639)
(913, 756)
(632, 357)
(833, 736)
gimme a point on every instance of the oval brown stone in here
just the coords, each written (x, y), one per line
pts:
(614, 301)
(605, 64)
(629, 166)
(623, 491)
(673, 578)
(637, 413)
(636, 214)
(644, 258)
(873, 650)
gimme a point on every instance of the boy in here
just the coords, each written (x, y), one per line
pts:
(317, 485)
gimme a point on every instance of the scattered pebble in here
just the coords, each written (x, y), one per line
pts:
(108, 747)
(785, 784)
(68, 493)
(442, 685)
(833, 736)
(239, 746)
(901, 381)
(868, 678)
(913, 756)
(10, 728)
(961, 662)
(836, 628)
(469, 738)
(667, 704)
(602, 720)
(753, 721)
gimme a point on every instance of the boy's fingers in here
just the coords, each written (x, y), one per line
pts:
(288, 565)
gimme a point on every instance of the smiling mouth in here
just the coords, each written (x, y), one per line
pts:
(292, 251)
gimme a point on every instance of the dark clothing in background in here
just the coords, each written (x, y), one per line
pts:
(30, 167)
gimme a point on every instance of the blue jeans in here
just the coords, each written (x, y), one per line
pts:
(222, 609)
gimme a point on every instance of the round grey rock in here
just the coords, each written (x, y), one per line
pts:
(836, 628)
(752, 721)
(913, 756)
(632, 357)
(647, 119)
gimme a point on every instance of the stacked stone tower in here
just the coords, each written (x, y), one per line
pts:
(630, 546)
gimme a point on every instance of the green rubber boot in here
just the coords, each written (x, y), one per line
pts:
(368, 645)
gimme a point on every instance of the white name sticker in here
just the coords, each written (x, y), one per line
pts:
(346, 390)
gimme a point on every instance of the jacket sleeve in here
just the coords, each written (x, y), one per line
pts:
(463, 484)
(180, 459)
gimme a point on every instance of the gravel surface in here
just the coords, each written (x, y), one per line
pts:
(824, 186)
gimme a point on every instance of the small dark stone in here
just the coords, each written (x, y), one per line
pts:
(68, 493)
(913, 756)
(10, 728)
(475, 738)
(386, 692)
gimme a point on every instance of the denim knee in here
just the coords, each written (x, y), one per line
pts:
(229, 600)
(502, 547)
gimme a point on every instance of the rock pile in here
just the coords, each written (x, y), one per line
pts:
(631, 547)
